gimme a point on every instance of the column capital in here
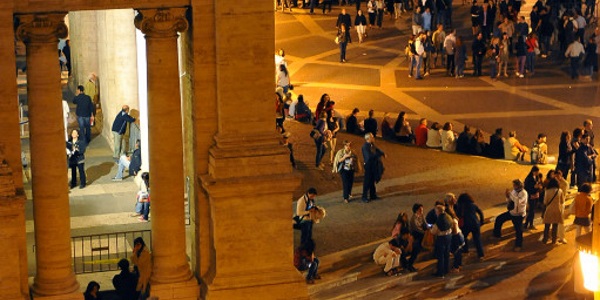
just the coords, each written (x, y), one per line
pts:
(42, 28)
(161, 22)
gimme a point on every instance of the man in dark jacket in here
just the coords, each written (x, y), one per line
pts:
(125, 282)
(132, 162)
(119, 127)
(497, 144)
(85, 113)
(478, 48)
(373, 167)
(344, 18)
(370, 124)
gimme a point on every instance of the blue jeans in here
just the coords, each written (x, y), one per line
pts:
(343, 51)
(456, 247)
(145, 210)
(320, 151)
(501, 219)
(530, 62)
(123, 164)
(518, 225)
(419, 62)
(476, 231)
(347, 181)
(312, 269)
(442, 254)
(85, 129)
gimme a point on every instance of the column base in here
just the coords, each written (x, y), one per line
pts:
(70, 296)
(285, 284)
(187, 290)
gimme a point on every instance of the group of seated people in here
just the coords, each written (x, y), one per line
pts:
(443, 137)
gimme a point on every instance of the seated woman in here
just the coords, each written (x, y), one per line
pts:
(478, 144)
(539, 151)
(402, 129)
(513, 150)
(434, 136)
(388, 255)
(302, 112)
(305, 259)
(448, 138)
(387, 130)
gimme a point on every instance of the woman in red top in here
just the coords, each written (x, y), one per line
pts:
(532, 48)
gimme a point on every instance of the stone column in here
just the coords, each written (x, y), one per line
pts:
(171, 275)
(54, 277)
(249, 179)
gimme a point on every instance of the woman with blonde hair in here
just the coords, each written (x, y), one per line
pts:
(346, 164)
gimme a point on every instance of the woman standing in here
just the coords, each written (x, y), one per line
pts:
(342, 39)
(472, 218)
(583, 209)
(360, 22)
(565, 154)
(372, 11)
(504, 54)
(532, 45)
(283, 78)
(346, 164)
(142, 262)
(533, 186)
(144, 197)
(554, 201)
(75, 152)
(521, 49)
(460, 57)
(494, 57)
(334, 127)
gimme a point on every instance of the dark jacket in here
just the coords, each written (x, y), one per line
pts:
(496, 149)
(85, 107)
(478, 47)
(463, 142)
(470, 213)
(360, 20)
(77, 152)
(125, 284)
(136, 162)
(120, 123)
(372, 158)
(352, 125)
(371, 126)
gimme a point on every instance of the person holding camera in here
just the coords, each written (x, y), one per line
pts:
(76, 159)
(517, 206)
(305, 204)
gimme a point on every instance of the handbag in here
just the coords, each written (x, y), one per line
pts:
(337, 40)
(428, 240)
(510, 205)
(315, 133)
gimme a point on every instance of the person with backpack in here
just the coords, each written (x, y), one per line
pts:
(539, 151)
(442, 230)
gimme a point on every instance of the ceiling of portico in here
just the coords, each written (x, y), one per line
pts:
(46, 6)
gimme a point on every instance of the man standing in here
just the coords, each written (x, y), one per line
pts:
(574, 51)
(419, 49)
(373, 167)
(478, 48)
(118, 129)
(132, 162)
(517, 210)
(588, 125)
(85, 113)
(344, 18)
(450, 48)
(304, 205)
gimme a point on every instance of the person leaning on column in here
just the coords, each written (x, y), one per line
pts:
(119, 127)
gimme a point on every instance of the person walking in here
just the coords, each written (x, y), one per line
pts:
(554, 201)
(346, 164)
(442, 230)
(373, 167)
(342, 39)
(471, 217)
(360, 23)
(533, 186)
(574, 52)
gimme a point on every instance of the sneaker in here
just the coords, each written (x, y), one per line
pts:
(562, 241)
(409, 76)
(117, 179)
(521, 75)
(426, 74)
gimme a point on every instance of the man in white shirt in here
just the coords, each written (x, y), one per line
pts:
(574, 51)
(518, 210)
(420, 49)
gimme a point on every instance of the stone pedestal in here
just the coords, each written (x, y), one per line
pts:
(13, 261)
(54, 274)
(171, 268)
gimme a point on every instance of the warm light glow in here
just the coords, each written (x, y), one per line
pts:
(589, 268)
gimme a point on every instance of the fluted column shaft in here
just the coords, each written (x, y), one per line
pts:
(54, 274)
(161, 27)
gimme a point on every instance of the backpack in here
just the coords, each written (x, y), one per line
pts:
(444, 222)
(537, 157)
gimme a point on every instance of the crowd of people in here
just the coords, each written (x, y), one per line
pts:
(500, 34)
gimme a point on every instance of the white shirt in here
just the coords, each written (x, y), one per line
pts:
(419, 47)
(520, 200)
(448, 141)
(434, 138)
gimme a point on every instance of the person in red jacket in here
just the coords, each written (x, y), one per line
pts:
(421, 133)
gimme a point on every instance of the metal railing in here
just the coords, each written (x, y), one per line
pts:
(102, 252)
